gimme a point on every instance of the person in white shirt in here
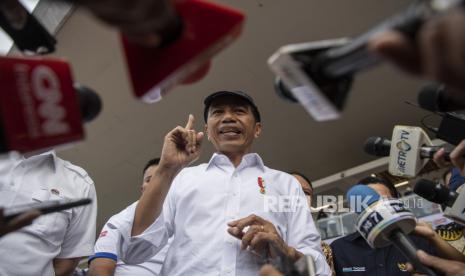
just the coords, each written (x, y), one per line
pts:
(54, 243)
(217, 212)
(105, 260)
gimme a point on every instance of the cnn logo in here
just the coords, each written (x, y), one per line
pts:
(47, 89)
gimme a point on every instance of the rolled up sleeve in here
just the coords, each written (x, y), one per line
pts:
(140, 248)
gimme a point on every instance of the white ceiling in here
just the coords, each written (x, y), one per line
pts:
(129, 132)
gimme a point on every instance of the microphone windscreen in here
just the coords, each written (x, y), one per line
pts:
(431, 191)
(360, 197)
(90, 103)
(377, 146)
(429, 96)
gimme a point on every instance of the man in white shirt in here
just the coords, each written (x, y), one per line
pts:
(217, 212)
(54, 243)
(106, 260)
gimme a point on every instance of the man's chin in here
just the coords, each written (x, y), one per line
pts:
(231, 147)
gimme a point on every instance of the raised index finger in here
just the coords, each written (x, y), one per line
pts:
(190, 122)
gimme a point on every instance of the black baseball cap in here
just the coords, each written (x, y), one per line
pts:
(240, 94)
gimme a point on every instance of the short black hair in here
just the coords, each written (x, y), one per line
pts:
(374, 180)
(303, 176)
(150, 163)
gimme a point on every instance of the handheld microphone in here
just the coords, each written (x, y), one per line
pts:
(319, 74)
(437, 193)
(439, 98)
(40, 108)
(208, 28)
(408, 152)
(385, 222)
(379, 146)
(436, 97)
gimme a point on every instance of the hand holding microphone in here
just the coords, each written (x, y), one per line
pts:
(447, 267)
(457, 157)
(437, 52)
(148, 22)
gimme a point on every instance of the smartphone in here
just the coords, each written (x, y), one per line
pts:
(45, 207)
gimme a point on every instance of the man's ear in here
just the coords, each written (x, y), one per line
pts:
(258, 129)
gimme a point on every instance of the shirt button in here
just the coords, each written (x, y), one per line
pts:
(381, 265)
(228, 270)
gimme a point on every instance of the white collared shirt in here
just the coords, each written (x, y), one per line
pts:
(66, 234)
(109, 242)
(200, 203)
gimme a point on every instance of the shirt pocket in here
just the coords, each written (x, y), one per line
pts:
(51, 227)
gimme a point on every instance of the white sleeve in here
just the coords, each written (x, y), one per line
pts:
(303, 235)
(106, 245)
(141, 248)
(80, 235)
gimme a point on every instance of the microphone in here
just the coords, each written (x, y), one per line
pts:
(319, 74)
(436, 97)
(409, 152)
(382, 222)
(379, 146)
(437, 193)
(207, 28)
(40, 107)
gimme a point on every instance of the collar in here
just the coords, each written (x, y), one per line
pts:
(248, 160)
(50, 156)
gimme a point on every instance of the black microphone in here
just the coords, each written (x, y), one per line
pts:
(436, 97)
(379, 146)
(90, 103)
(435, 192)
(455, 201)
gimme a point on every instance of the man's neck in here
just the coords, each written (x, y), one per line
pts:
(235, 157)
